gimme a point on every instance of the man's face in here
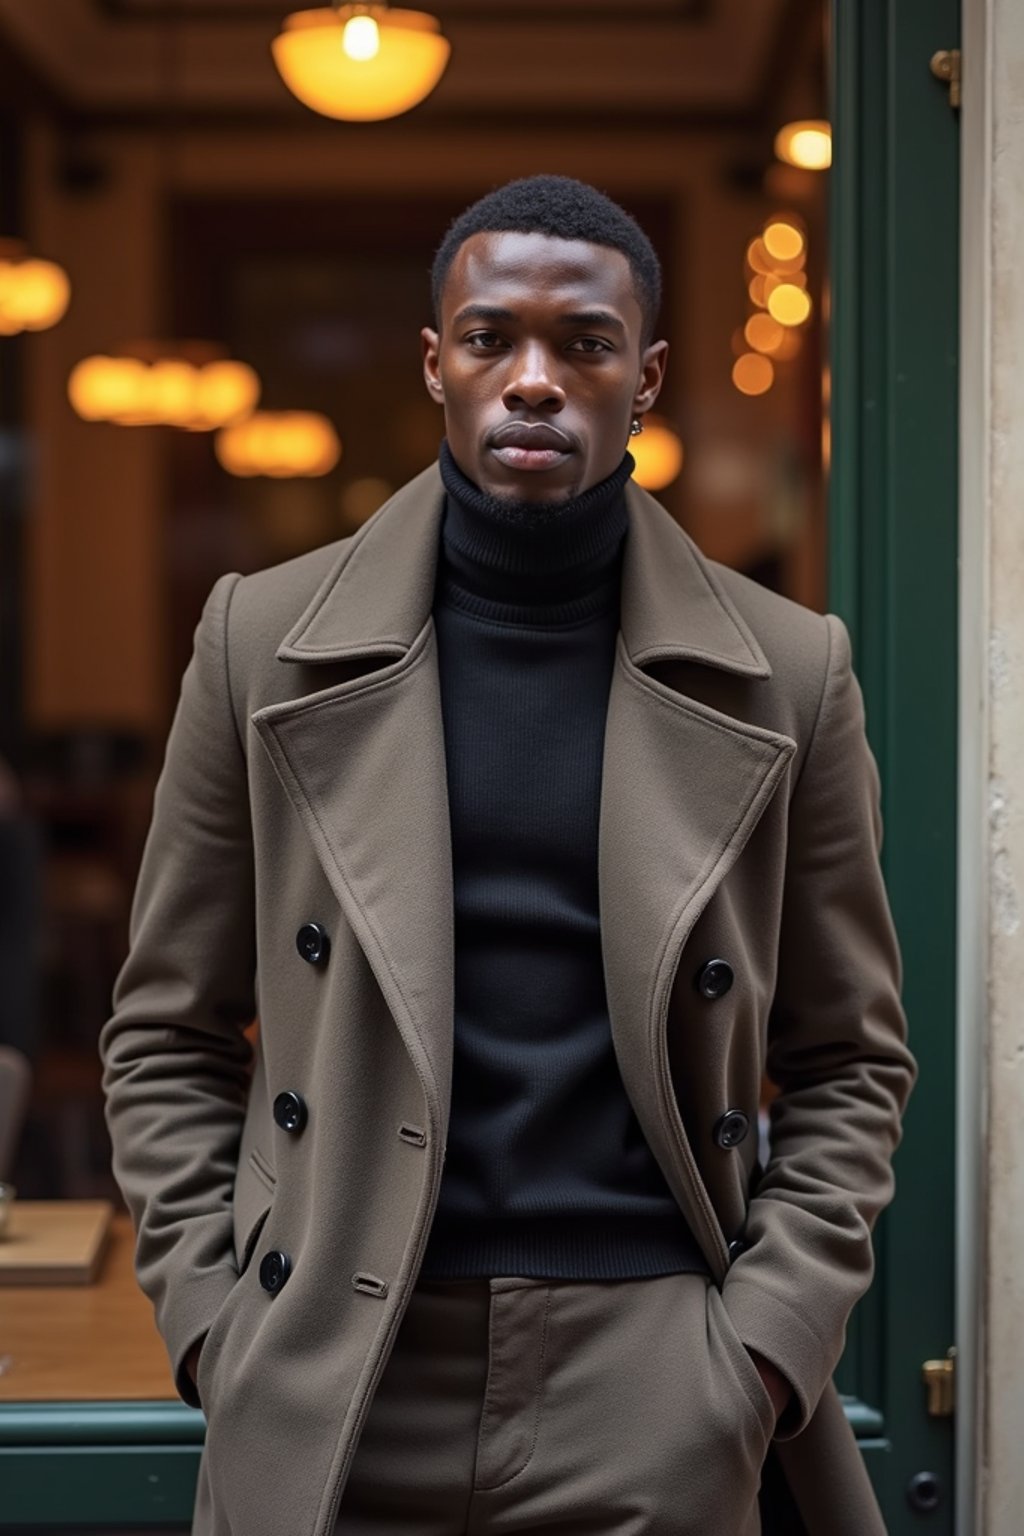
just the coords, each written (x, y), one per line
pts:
(538, 363)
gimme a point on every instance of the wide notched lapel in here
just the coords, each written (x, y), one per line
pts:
(683, 787)
(363, 762)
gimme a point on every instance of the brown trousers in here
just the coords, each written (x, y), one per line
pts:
(582, 1408)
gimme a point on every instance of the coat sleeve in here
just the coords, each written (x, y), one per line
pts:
(837, 1052)
(176, 1062)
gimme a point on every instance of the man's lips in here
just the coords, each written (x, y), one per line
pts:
(530, 445)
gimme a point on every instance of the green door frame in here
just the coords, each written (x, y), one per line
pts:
(893, 536)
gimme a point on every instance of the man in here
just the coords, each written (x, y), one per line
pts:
(533, 838)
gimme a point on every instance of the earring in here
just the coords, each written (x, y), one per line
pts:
(636, 426)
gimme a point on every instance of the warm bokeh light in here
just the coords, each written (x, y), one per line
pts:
(760, 288)
(752, 374)
(225, 392)
(788, 304)
(169, 391)
(783, 241)
(282, 444)
(807, 144)
(34, 294)
(360, 67)
(763, 333)
(658, 452)
(758, 258)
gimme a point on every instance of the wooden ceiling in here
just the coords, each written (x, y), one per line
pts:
(696, 61)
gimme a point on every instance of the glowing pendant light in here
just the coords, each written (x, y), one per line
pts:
(191, 385)
(360, 63)
(33, 294)
(283, 444)
(806, 144)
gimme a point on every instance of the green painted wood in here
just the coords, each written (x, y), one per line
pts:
(100, 1423)
(60, 1485)
(893, 578)
(137, 1462)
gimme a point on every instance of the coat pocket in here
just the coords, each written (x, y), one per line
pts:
(215, 1334)
(756, 1395)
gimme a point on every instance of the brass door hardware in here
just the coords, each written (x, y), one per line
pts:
(945, 65)
(939, 1377)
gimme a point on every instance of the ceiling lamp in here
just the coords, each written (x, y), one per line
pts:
(187, 385)
(806, 144)
(33, 294)
(360, 63)
(283, 444)
(658, 453)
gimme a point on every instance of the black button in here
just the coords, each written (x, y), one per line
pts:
(313, 944)
(736, 1247)
(290, 1110)
(731, 1128)
(714, 979)
(275, 1267)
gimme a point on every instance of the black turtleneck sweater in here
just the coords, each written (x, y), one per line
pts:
(547, 1170)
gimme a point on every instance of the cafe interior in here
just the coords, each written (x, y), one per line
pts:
(217, 219)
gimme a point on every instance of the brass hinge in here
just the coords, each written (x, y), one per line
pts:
(945, 65)
(939, 1377)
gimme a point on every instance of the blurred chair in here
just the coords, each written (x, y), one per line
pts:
(15, 1089)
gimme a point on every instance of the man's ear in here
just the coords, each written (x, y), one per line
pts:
(652, 375)
(431, 341)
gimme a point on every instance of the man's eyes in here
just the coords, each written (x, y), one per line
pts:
(490, 341)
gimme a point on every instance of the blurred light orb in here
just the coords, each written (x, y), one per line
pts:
(658, 452)
(224, 392)
(762, 333)
(788, 304)
(168, 391)
(360, 63)
(783, 241)
(281, 444)
(758, 257)
(753, 374)
(806, 143)
(34, 294)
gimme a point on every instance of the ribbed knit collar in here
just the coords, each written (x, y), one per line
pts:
(513, 561)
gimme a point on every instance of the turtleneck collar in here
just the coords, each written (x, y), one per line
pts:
(512, 560)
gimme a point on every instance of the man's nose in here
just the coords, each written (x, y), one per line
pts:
(532, 383)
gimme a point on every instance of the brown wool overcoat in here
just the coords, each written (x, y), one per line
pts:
(304, 783)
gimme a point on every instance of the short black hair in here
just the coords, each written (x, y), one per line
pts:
(569, 210)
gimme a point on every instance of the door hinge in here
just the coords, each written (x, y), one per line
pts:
(945, 65)
(939, 1377)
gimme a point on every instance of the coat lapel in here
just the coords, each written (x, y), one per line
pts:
(683, 786)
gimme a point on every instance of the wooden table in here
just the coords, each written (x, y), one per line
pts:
(92, 1430)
